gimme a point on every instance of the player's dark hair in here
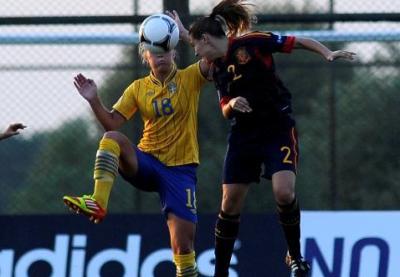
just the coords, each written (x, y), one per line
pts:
(228, 18)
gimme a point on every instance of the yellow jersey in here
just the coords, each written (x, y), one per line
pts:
(169, 112)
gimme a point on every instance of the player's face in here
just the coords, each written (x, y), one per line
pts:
(160, 62)
(204, 48)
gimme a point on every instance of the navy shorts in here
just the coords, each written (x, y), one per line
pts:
(250, 153)
(176, 185)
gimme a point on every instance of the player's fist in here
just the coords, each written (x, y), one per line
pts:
(240, 104)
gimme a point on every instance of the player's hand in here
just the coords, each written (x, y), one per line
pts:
(86, 87)
(183, 32)
(340, 54)
(240, 104)
(12, 130)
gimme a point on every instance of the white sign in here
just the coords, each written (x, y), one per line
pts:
(62, 257)
(352, 244)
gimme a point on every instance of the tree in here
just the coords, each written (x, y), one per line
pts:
(16, 155)
(63, 164)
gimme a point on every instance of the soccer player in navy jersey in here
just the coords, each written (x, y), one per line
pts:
(262, 131)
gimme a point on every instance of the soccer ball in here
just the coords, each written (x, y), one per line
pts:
(159, 33)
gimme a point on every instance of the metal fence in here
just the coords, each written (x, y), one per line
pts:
(346, 112)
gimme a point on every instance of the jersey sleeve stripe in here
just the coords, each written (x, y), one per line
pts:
(255, 35)
(295, 146)
(224, 100)
(289, 44)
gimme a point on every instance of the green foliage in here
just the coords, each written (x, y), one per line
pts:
(62, 165)
(15, 156)
(369, 154)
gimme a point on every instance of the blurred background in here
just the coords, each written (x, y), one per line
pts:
(346, 111)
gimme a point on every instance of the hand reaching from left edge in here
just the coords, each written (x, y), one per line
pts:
(12, 130)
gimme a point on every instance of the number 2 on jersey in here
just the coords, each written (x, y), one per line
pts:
(232, 69)
(286, 159)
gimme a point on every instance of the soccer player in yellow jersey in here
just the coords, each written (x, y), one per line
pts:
(166, 158)
(12, 130)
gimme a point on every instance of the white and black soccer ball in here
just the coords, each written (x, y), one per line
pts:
(159, 33)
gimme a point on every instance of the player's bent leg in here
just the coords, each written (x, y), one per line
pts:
(182, 233)
(118, 153)
(105, 171)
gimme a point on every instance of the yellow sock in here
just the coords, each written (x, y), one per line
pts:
(102, 191)
(186, 265)
(105, 170)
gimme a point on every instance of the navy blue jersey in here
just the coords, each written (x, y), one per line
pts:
(248, 70)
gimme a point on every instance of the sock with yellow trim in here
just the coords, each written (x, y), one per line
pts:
(105, 170)
(186, 265)
(289, 218)
(226, 233)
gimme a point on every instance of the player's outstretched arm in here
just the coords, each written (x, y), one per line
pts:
(316, 46)
(12, 130)
(183, 32)
(184, 36)
(87, 88)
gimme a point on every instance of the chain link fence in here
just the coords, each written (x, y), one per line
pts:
(346, 112)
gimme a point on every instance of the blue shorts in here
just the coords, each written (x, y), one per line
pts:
(176, 185)
(248, 152)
